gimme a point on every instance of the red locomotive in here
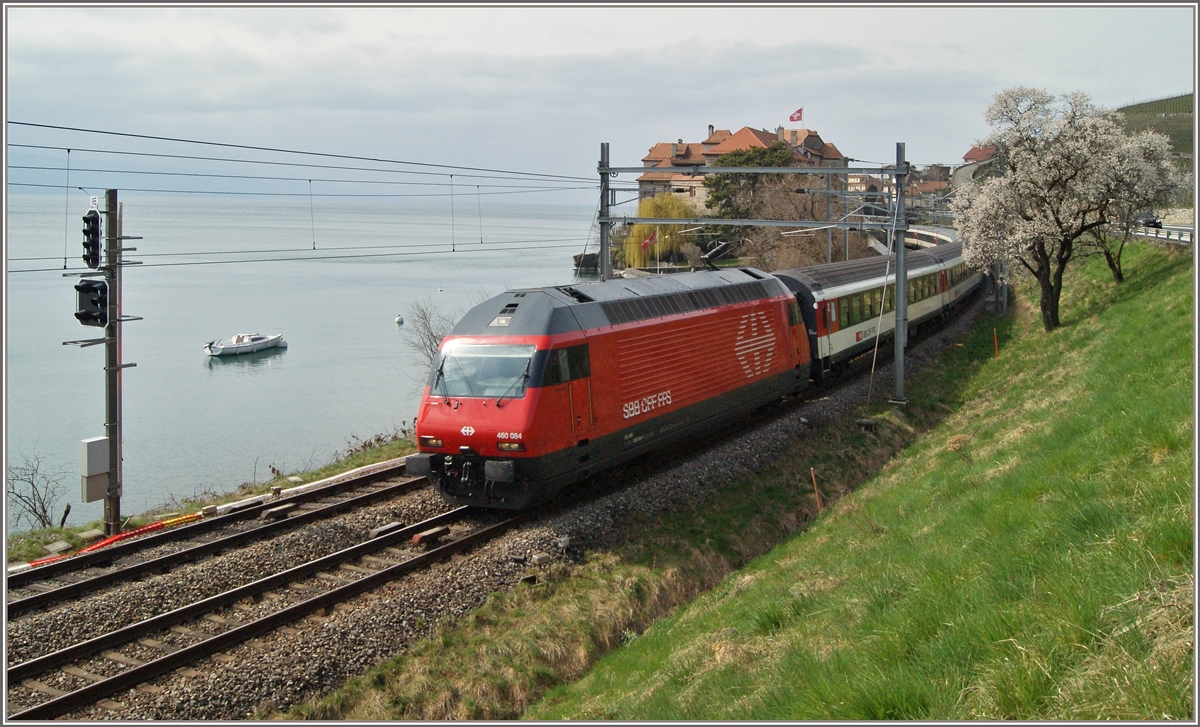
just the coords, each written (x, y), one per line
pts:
(537, 389)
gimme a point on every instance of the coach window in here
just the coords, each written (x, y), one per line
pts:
(843, 306)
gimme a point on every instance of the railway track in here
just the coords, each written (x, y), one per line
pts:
(67, 680)
(42, 586)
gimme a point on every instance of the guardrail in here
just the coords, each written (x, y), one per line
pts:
(1173, 235)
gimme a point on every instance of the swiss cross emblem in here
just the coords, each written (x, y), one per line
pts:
(468, 431)
(755, 345)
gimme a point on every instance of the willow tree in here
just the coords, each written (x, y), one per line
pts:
(1061, 166)
(644, 244)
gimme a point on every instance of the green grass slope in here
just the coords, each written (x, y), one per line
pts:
(1030, 557)
(1027, 555)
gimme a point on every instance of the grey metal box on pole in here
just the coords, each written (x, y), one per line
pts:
(93, 468)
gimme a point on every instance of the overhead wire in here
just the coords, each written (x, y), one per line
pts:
(895, 296)
(266, 162)
(310, 258)
(544, 183)
(66, 208)
(479, 209)
(312, 215)
(595, 217)
(251, 147)
(514, 190)
(196, 253)
(258, 177)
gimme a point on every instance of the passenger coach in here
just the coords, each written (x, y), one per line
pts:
(847, 305)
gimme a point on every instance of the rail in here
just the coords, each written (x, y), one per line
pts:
(244, 510)
(89, 694)
(195, 552)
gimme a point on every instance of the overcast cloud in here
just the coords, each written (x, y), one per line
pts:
(539, 89)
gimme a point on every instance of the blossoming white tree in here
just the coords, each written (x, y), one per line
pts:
(1146, 182)
(1065, 168)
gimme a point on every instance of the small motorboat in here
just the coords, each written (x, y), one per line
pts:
(244, 343)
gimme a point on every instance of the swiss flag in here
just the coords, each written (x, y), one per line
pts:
(650, 240)
(798, 115)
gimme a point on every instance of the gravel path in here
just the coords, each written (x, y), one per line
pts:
(319, 652)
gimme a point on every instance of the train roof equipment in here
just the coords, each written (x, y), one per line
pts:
(564, 309)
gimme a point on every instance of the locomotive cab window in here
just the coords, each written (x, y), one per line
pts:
(566, 364)
(482, 370)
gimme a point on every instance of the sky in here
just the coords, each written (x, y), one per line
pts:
(538, 89)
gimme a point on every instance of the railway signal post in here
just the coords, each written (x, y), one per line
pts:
(110, 319)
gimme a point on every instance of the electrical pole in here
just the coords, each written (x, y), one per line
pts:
(845, 215)
(112, 362)
(901, 330)
(605, 226)
(828, 216)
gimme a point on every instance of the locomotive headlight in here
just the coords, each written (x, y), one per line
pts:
(510, 446)
(431, 442)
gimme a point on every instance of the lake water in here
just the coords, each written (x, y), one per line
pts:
(194, 423)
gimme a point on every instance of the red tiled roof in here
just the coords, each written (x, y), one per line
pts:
(920, 188)
(686, 152)
(829, 151)
(745, 138)
(801, 136)
(979, 154)
(718, 136)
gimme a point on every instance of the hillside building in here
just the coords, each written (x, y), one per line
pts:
(807, 145)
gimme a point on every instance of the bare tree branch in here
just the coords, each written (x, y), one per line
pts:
(33, 491)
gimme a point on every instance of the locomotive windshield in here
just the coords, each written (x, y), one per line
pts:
(482, 370)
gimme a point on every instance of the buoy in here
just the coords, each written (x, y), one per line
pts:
(400, 320)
